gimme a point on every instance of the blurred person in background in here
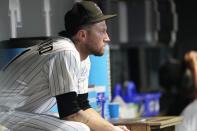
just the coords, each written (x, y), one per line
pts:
(190, 112)
(176, 79)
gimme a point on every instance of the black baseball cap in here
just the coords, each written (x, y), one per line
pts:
(82, 13)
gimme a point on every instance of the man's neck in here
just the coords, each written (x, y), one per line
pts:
(82, 52)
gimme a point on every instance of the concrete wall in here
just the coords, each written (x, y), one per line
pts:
(33, 18)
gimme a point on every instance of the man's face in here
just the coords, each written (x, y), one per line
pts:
(97, 38)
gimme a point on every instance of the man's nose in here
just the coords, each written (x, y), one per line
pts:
(107, 39)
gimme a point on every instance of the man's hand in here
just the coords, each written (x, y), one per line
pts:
(122, 128)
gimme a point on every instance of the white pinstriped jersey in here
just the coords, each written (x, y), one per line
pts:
(30, 82)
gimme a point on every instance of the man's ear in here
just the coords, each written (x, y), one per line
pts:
(82, 34)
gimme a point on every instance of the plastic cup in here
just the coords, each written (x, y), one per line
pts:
(114, 110)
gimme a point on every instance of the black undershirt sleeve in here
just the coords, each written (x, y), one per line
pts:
(83, 101)
(70, 103)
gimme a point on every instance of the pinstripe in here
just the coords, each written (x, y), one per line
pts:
(63, 75)
(67, 84)
(83, 72)
(50, 105)
(10, 87)
(10, 67)
(9, 120)
(38, 121)
(43, 108)
(9, 123)
(46, 122)
(57, 78)
(33, 69)
(33, 77)
(16, 71)
(47, 70)
(45, 119)
(75, 69)
(61, 82)
(71, 53)
(55, 75)
(14, 122)
(86, 74)
(14, 65)
(17, 56)
(31, 100)
(13, 77)
(64, 66)
(68, 68)
(83, 80)
(53, 81)
(32, 127)
(58, 121)
(22, 101)
(79, 84)
(34, 105)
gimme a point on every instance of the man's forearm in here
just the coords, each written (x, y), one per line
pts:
(92, 119)
(93, 113)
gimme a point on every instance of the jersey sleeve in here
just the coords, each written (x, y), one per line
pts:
(64, 70)
(84, 77)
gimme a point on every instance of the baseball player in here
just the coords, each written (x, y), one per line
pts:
(56, 71)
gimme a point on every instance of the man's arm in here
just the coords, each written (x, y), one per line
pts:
(92, 119)
(191, 59)
(94, 113)
(76, 108)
